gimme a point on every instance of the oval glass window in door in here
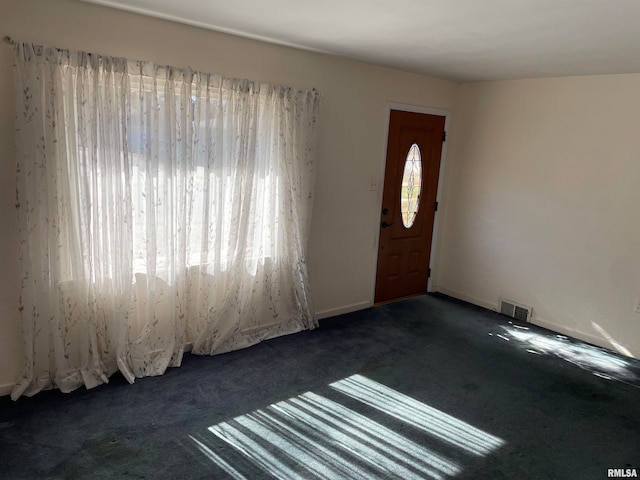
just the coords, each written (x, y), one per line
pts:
(411, 186)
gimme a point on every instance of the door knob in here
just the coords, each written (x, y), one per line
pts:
(385, 224)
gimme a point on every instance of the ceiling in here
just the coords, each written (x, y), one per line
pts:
(460, 40)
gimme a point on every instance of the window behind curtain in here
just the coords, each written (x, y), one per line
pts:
(159, 208)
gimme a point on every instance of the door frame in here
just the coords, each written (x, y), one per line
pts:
(436, 221)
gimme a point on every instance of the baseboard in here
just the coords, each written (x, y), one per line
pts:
(570, 332)
(332, 312)
(541, 322)
(586, 337)
(555, 327)
(6, 389)
(466, 298)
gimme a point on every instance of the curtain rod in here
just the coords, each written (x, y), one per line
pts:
(11, 41)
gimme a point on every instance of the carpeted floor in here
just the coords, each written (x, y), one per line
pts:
(425, 388)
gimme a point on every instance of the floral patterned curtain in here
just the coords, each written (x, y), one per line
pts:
(159, 208)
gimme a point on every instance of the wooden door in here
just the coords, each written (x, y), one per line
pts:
(408, 204)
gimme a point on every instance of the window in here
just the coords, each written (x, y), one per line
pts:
(158, 207)
(411, 186)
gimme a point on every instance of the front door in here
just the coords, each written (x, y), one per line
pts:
(408, 204)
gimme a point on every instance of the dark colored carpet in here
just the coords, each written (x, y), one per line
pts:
(425, 388)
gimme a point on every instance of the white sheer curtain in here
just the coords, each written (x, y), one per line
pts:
(158, 207)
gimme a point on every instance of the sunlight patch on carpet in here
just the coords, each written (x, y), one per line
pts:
(421, 416)
(597, 360)
(312, 436)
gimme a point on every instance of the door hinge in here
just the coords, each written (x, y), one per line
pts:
(436, 206)
(429, 275)
(444, 136)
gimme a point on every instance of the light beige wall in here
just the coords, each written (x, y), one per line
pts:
(11, 350)
(542, 203)
(351, 144)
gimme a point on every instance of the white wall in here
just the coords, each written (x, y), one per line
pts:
(351, 145)
(543, 200)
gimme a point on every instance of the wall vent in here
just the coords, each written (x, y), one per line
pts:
(515, 310)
